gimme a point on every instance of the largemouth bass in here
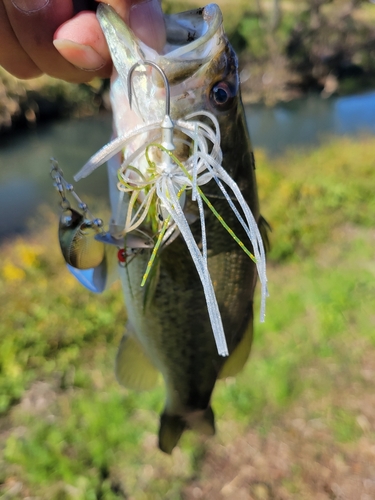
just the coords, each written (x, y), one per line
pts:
(169, 328)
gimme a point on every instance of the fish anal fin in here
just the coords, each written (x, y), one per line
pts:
(237, 359)
(133, 368)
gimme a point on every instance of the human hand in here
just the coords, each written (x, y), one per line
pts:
(62, 38)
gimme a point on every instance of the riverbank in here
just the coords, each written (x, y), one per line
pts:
(289, 49)
(286, 50)
(25, 103)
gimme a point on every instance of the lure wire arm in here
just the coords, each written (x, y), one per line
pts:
(63, 187)
(60, 184)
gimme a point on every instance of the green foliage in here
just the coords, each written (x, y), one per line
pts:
(329, 187)
(345, 426)
(72, 433)
(47, 320)
(251, 36)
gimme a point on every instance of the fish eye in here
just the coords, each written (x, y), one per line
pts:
(221, 96)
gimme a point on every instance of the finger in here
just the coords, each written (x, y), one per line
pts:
(34, 23)
(81, 41)
(145, 18)
(147, 21)
(12, 56)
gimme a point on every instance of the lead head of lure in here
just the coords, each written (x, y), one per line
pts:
(77, 240)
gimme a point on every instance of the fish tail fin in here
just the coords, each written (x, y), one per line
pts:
(203, 422)
(172, 427)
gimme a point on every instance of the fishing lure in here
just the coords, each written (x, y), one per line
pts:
(77, 231)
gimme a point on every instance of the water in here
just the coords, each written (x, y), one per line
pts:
(308, 122)
(24, 159)
(25, 182)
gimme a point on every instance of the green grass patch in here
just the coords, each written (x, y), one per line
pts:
(71, 432)
(344, 426)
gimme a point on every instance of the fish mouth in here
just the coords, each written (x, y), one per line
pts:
(194, 39)
(191, 37)
(190, 31)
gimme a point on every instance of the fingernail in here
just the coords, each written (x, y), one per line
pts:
(29, 5)
(147, 21)
(82, 56)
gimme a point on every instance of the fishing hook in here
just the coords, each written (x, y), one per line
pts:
(165, 79)
(166, 125)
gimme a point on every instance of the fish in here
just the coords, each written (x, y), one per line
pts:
(169, 330)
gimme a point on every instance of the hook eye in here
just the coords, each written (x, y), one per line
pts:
(165, 79)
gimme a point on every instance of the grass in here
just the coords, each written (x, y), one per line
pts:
(68, 431)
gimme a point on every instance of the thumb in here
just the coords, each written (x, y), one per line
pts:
(147, 21)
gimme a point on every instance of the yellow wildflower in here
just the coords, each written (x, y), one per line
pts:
(28, 255)
(12, 273)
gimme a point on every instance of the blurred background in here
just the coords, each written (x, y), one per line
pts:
(299, 422)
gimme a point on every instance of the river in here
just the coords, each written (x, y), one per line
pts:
(24, 159)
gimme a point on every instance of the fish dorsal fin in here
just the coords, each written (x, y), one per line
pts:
(265, 229)
(133, 368)
(237, 359)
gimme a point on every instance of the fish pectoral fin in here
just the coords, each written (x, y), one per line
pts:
(133, 368)
(112, 265)
(237, 359)
(171, 428)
